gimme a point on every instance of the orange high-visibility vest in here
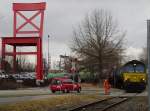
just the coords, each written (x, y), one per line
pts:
(106, 84)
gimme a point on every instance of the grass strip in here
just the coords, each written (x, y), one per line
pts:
(50, 103)
(19, 95)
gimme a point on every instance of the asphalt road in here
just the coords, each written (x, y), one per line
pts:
(8, 100)
(13, 96)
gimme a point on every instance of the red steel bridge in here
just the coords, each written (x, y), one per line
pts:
(26, 36)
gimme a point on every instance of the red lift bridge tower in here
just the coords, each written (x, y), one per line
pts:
(26, 36)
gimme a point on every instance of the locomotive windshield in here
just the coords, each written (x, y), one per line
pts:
(128, 68)
(139, 68)
(134, 68)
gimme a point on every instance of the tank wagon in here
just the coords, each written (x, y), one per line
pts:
(131, 76)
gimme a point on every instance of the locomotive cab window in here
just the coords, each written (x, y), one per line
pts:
(128, 68)
(139, 68)
(134, 68)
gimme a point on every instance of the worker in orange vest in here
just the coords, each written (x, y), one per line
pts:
(106, 86)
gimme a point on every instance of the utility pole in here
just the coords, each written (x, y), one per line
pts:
(148, 55)
(48, 54)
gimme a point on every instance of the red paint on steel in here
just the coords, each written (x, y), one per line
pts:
(29, 6)
(25, 39)
(20, 53)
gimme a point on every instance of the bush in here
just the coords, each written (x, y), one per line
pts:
(10, 83)
(6, 84)
(88, 77)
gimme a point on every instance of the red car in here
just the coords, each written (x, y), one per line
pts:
(64, 85)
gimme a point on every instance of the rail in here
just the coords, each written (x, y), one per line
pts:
(101, 105)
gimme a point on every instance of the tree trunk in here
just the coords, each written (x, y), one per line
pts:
(100, 69)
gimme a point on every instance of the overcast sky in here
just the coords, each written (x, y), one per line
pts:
(62, 15)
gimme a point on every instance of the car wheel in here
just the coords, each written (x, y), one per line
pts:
(68, 91)
(53, 91)
(79, 90)
(64, 91)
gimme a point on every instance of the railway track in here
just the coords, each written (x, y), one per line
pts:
(101, 105)
(105, 104)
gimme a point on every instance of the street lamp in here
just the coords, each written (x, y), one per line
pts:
(148, 55)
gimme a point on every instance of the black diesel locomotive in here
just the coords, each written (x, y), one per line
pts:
(131, 76)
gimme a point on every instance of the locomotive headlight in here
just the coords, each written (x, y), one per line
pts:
(126, 79)
(143, 80)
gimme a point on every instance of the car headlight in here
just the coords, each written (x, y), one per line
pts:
(75, 85)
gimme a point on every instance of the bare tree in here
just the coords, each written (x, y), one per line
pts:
(98, 41)
(143, 55)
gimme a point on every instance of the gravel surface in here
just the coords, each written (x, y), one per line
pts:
(135, 104)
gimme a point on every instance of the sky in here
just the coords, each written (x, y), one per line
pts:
(62, 15)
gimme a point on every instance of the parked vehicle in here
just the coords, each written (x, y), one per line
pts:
(3, 75)
(64, 85)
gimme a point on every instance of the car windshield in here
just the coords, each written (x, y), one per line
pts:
(55, 82)
(68, 81)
